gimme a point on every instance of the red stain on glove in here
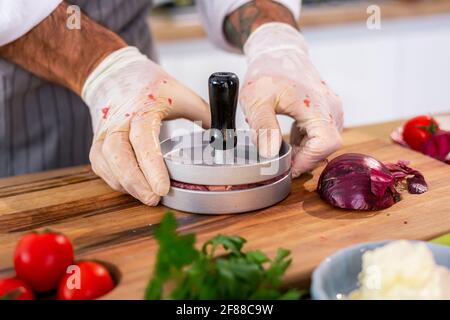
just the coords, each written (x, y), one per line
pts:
(307, 102)
(105, 112)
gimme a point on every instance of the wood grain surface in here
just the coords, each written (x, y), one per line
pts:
(112, 227)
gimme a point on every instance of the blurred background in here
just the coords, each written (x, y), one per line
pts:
(398, 71)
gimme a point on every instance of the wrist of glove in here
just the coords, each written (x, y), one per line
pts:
(282, 80)
(129, 96)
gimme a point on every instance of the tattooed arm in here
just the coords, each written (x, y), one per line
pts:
(57, 54)
(242, 22)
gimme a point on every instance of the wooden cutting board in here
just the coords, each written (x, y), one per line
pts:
(112, 227)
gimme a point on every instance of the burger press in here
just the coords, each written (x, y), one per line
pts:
(219, 171)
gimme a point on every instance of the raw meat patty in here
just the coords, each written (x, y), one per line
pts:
(202, 187)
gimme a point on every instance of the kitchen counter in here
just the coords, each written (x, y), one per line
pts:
(115, 228)
(187, 26)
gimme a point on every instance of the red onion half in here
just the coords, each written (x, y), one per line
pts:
(360, 182)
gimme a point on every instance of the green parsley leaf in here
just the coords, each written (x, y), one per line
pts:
(183, 272)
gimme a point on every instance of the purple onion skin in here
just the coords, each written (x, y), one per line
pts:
(357, 182)
(417, 185)
(438, 146)
(414, 179)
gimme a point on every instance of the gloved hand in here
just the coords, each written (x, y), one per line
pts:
(128, 96)
(282, 80)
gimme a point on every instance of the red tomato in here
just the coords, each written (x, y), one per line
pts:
(419, 130)
(41, 259)
(13, 286)
(90, 281)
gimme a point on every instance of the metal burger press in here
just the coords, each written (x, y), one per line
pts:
(219, 171)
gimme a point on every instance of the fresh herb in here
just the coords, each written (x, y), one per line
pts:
(183, 272)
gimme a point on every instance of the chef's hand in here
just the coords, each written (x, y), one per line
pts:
(128, 96)
(282, 80)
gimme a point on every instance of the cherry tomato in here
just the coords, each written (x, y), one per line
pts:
(41, 259)
(15, 289)
(89, 281)
(419, 130)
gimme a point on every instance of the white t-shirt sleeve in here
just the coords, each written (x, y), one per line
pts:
(213, 13)
(17, 17)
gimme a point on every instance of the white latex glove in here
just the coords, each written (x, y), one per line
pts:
(282, 80)
(128, 96)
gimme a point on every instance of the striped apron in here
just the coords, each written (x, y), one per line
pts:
(45, 126)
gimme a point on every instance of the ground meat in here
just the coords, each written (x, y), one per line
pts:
(202, 187)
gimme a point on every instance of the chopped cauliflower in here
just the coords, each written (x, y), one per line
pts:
(402, 270)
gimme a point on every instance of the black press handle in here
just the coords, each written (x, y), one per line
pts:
(223, 97)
